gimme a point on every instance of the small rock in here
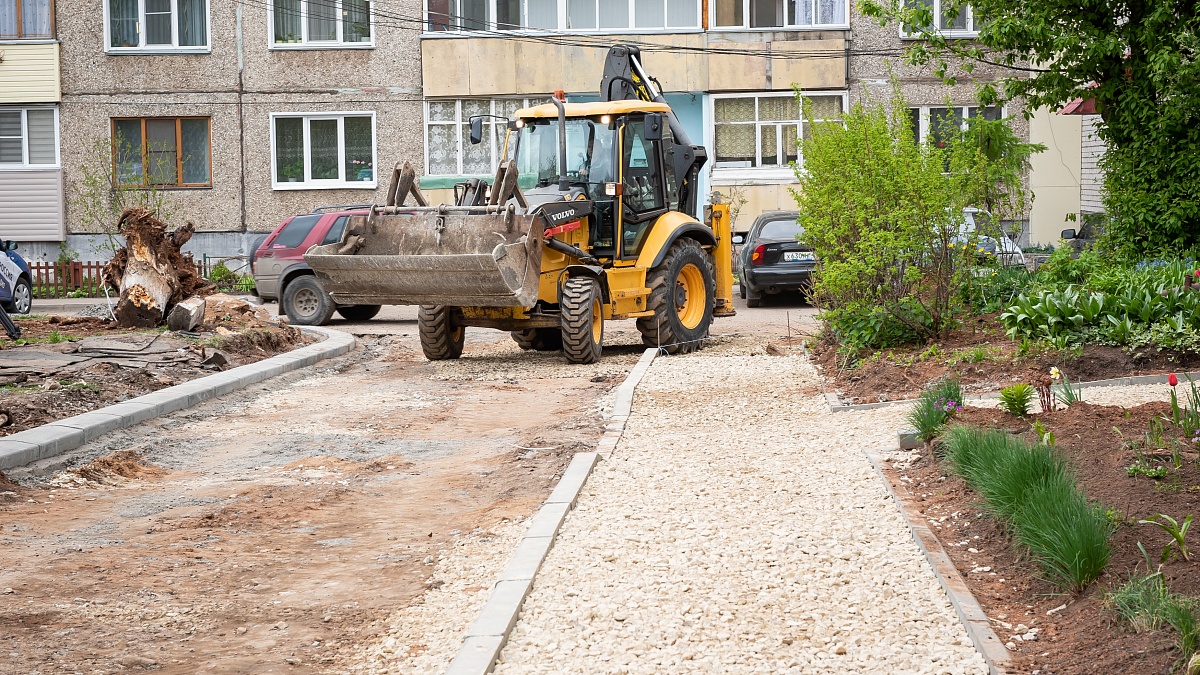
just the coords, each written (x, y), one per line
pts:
(839, 650)
(241, 630)
(1010, 645)
(7, 591)
(282, 625)
(132, 661)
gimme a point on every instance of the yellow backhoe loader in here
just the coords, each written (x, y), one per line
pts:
(588, 219)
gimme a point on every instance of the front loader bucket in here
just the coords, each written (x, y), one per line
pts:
(454, 256)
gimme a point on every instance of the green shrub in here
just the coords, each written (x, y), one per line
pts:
(1030, 489)
(861, 326)
(934, 407)
(1139, 601)
(1015, 399)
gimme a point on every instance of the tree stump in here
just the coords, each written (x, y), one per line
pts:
(150, 274)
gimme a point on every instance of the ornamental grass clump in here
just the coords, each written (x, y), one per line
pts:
(1015, 399)
(1031, 491)
(934, 407)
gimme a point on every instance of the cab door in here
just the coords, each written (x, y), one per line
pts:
(643, 197)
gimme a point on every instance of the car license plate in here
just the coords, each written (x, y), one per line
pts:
(797, 256)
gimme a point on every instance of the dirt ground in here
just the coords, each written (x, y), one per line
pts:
(241, 332)
(982, 357)
(1083, 637)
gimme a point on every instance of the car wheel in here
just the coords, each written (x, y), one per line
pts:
(306, 303)
(742, 286)
(441, 337)
(753, 299)
(359, 312)
(22, 297)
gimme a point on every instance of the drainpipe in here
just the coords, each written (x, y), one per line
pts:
(241, 120)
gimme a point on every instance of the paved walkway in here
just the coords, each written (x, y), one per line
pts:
(738, 528)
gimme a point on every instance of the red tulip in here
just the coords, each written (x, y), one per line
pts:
(1172, 380)
(1196, 274)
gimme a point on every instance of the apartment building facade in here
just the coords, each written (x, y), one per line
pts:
(240, 114)
(726, 67)
(30, 172)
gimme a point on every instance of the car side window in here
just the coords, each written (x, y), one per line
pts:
(295, 232)
(334, 235)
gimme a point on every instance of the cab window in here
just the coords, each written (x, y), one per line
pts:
(642, 190)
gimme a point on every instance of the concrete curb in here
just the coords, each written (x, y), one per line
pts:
(970, 614)
(486, 637)
(835, 404)
(58, 437)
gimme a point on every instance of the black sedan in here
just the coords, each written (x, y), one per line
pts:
(771, 260)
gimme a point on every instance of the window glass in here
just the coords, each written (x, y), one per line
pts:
(439, 15)
(642, 179)
(194, 146)
(780, 229)
(334, 234)
(682, 14)
(356, 21)
(729, 13)
(8, 19)
(766, 13)
(763, 131)
(448, 147)
(296, 231)
(360, 149)
(162, 154)
(10, 137)
(158, 22)
(286, 17)
(40, 127)
(543, 13)
(473, 14)
(831, 12)
(508, 14)
(123, 23)
(33, 19)
(289, 150)
(323, 150)
(614, 14)
(127, 137)
(322, 20)
(648, 14)
(581, 14)
(193, 18)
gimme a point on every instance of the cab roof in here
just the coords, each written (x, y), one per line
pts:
(593, 109)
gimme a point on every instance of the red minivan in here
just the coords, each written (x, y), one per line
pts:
(280, 272)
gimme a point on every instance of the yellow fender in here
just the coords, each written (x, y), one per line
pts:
(665, 230)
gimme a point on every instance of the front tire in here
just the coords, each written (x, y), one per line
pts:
(538, 339)
(582, 320)
(359, 312)
(441, 336)
(22, 297)
(306, 303)
(681, 287)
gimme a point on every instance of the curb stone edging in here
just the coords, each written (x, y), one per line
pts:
(60, 436)
(970, 613)
(835, 404)
(484, 640)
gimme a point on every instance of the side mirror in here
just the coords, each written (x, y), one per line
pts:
(476, 130)
(1068, 233)
(739, 239)
(12, 246)
(654, 130)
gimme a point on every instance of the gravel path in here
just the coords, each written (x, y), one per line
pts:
(738, 528)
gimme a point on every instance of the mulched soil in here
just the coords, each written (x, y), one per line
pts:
(243, 334)
(901, 372)
(1084, 637)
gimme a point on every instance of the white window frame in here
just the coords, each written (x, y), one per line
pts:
(971, 30)
(562, 23)
(305, 43)
(331, 184)
(461, 122)
(24, 165)
(172, 48)
(964, 110)
(771, 174)
(745, 27)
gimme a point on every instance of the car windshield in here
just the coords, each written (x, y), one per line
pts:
(589, 152)
(780, 229)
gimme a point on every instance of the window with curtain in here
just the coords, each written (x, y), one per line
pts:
(934, 124)
(763, 131)
(963, 24)
(162, 151)
(28, 138)
(320, 23)
(26, 19)
(575, 15)
(323, 151)
(148, 25)
(448, 147)
(779, 13)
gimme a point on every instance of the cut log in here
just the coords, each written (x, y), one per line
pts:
(150, 274)
(186, 314)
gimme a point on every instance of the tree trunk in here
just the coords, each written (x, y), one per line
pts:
(150, 274)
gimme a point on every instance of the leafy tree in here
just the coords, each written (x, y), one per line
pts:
(884, 215)
(1137, 59)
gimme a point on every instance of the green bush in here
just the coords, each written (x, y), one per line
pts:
(1015, 399)
(859, 326)
(1030, 489)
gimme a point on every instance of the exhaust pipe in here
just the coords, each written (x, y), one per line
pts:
(563, 185)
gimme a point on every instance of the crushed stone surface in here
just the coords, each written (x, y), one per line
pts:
(739, 528)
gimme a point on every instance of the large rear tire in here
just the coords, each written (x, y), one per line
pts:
(359, 312)
(306, 303)
(441, 337)
(582, 320)
(682, 290)
(538, 339)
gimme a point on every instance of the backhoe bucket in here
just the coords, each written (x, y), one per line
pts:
(456, 256)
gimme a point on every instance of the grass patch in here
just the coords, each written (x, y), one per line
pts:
(1030, 489)
(1145, 604)
(934, 407)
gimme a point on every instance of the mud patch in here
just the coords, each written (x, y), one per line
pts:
(117, 467)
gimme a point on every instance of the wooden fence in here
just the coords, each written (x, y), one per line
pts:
(74, 279)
